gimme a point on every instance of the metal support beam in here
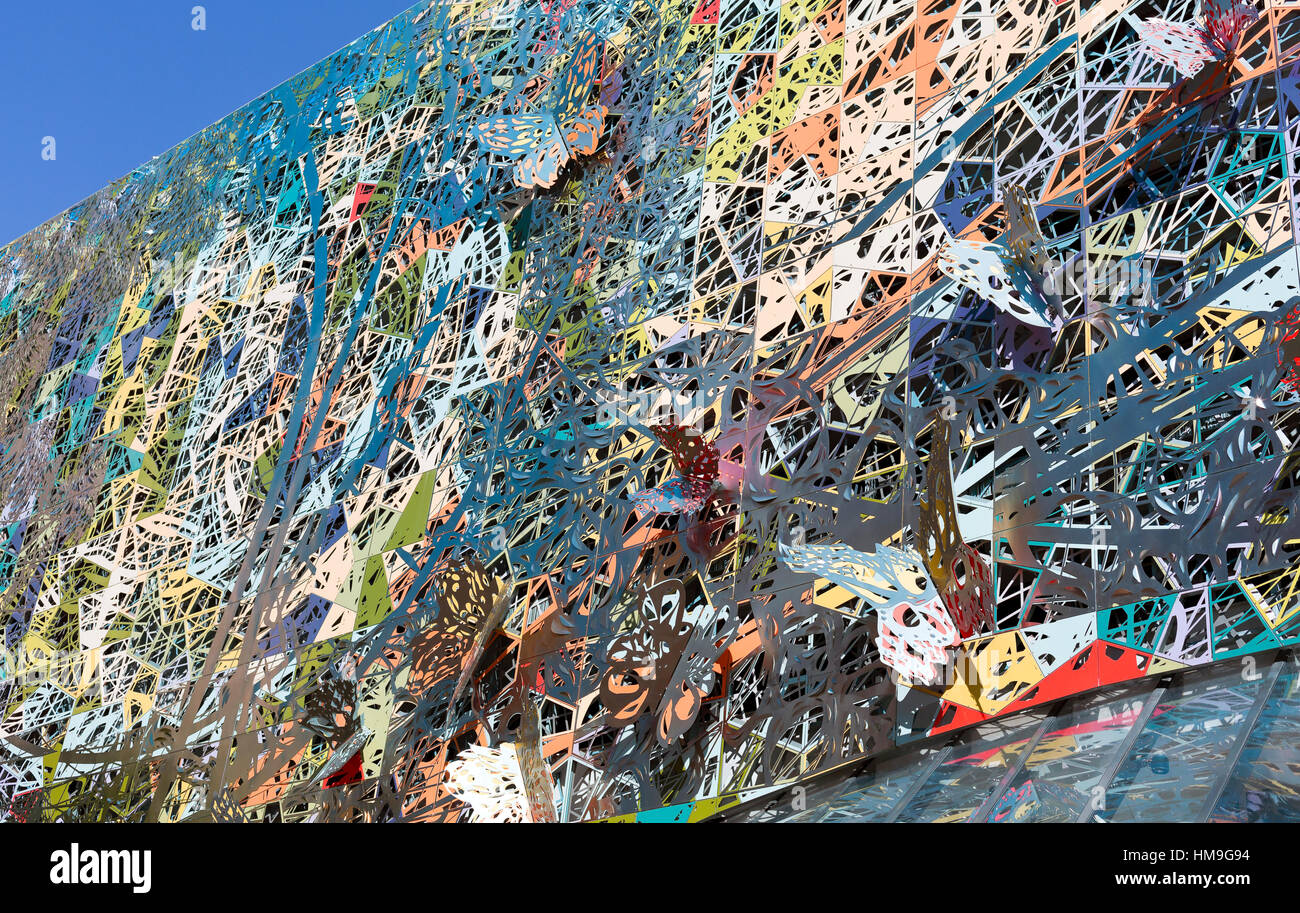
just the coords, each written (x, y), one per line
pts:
(982, 813)
(1121, 753)
(1243, 736)
(939, 757)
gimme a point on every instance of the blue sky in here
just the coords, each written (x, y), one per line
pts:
(116, 82)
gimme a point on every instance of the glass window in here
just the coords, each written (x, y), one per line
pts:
(1063, 773)
(1265, 784)
(960, 784)
(1176, 759)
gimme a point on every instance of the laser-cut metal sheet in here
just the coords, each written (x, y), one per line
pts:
(614, 410)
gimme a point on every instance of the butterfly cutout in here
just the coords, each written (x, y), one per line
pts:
(1225, 20)
(490, 782)
(1190, 47)
(474, 602)
(542, 142)
(992, 272)
(879, 579)
(696, 461)
(914, 629)
(466, 593)
(1025, 240)
(1288, 350)
(1010, 276)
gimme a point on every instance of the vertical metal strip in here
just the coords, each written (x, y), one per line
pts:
(1243, 736)
(1121, 753)
(982, 813)
(939, 757)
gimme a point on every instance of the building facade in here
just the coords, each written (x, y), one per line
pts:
(646, 410)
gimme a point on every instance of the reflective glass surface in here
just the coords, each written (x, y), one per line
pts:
(1219, 745)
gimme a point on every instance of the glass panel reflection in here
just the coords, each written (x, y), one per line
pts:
(1168, 773)
(960, 784)
(870, 796)
(1063, 773)
(1265, 785)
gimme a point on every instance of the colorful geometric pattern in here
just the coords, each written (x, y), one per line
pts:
(621, 409)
